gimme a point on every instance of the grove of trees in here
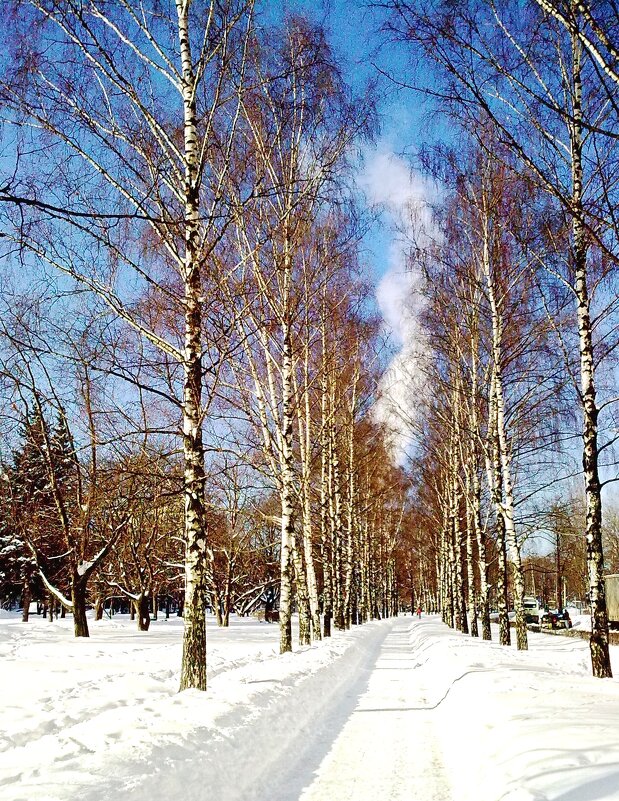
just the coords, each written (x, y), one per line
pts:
(522, 290)
(190, 361)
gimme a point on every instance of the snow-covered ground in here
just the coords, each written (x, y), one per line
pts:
(400, 709)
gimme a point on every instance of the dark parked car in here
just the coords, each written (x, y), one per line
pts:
(556, 620)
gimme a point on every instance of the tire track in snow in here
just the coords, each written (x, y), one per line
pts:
(386, 749)
(263, 747)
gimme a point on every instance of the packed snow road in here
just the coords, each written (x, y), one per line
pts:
(388, 749)
(396, 709)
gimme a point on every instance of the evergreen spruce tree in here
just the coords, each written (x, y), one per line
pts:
(28, 514)
(18, 581)
(52, 517)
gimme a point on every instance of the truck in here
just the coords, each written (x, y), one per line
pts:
(533, 611)
(611, 583)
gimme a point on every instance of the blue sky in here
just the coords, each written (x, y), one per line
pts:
(388, 178)
(354, 33)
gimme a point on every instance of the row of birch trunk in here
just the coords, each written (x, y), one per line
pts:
(534, 84)
(305, 388)
(191, 176)
(492, 410)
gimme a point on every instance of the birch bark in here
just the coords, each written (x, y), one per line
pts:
(305, 450)
(495, 481)
(475, 439)
(598, 643)
(506, 498)
(193, 667)
(470, 565)
(286, 496)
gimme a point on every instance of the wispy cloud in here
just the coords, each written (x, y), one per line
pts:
(405, 196)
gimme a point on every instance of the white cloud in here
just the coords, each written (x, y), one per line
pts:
(406, 197)
(394, 295)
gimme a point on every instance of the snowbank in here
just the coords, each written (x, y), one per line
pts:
(101, 718)
(523, 726)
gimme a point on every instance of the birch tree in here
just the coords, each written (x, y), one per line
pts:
(134, 107)
(523, 72)
(299, 123)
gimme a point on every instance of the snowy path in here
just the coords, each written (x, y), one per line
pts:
(388, 748)
(395, 709)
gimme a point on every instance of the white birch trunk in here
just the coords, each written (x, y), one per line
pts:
(506, 498)
(350, 517)
(493, 472)
(326, 533)
(193, 669)
(335, 506)
(479, 528)
(482, 560)
(598, 643)
(286, 497)
(470, 566)
(305, 448)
